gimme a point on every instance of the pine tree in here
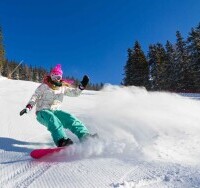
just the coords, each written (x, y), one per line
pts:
(136, 69)
(162, 74)
(26, 72)
(182, 64)
(128, 69)
(16, 74)
(6, 69)
(158, 67)
(152, 67)
(41, 73)
(194, 57)
(2, 52)
(170, 59)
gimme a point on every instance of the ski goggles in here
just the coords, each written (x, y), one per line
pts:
(56, 77)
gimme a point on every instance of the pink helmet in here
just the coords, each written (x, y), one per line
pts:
(56, 72)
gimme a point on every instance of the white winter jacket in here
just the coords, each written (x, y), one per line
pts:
(47, 98)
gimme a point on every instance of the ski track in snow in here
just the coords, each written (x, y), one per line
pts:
(134, 150)
(24, 174)
(26, 170)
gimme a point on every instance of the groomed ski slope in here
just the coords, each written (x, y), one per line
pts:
(147, 139)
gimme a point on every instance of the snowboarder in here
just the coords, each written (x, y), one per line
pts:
(48, 98)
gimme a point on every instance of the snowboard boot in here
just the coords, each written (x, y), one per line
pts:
(89, 136)
(64, 142)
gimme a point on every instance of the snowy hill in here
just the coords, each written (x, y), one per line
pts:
(147, 139)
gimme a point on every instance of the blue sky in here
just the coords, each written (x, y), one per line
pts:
(91, 36)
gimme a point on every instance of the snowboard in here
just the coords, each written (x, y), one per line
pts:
(39, 153)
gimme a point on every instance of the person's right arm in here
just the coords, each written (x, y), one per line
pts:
(37, 95)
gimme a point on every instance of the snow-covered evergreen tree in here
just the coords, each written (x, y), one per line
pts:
(158, 66)
(152, 67)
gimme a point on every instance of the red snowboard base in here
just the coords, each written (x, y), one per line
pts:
(39, 153)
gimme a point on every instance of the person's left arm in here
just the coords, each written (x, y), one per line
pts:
(74, 92)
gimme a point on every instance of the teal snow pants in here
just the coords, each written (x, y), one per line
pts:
(57, 120)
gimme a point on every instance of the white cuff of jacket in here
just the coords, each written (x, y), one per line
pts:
(28, 110)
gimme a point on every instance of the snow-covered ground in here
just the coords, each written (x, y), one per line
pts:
(147, 139)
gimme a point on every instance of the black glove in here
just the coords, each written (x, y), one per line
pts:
(25, 110)
(84, 82)
(22, 112)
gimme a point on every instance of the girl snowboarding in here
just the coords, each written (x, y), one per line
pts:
(48, 98)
